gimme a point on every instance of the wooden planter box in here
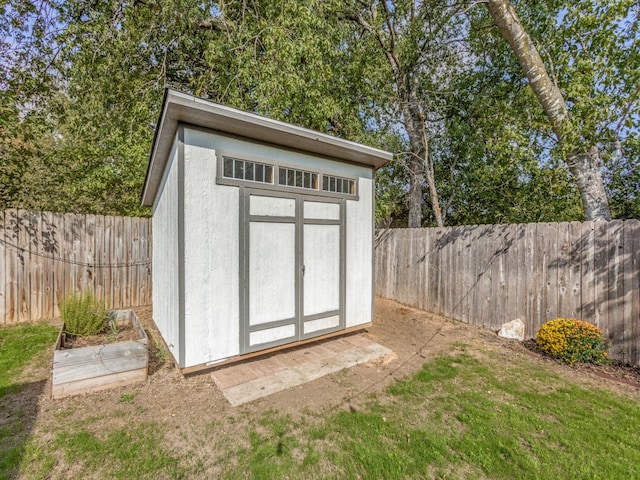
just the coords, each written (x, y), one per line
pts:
(89, 369)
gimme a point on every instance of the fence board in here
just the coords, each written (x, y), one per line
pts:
(35, 267)
(490, 274)
(631, 300)
(48, 249)
(11, 283)
(615, 283)
(3, 262)
(600, 272)
(575, 269)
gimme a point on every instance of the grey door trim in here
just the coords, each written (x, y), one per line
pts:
(298, 321)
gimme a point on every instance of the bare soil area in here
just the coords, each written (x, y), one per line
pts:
(198, 421)
(123, 333)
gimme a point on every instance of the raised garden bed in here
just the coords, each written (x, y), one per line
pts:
(98, 367)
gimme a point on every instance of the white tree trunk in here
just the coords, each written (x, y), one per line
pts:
(583, 165)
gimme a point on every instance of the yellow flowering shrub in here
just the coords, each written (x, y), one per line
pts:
(572, 341)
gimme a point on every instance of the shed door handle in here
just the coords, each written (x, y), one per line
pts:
(303, 268)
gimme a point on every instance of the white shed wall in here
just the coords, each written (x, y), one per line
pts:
(211, 218)
(359, 267)
(166, 312)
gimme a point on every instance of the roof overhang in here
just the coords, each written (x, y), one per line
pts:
(179, 108)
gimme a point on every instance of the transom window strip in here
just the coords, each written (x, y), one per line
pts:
(338, 185)
(247, 170)
(290, 177)
(297, 178)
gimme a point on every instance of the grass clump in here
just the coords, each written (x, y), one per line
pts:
(83, 314)
(571, 341)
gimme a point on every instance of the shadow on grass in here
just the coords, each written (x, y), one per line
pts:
(19, 405)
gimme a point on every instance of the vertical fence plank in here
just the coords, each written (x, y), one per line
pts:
(148, 260)
(455, 274)
(23, 306)
(517, 275)
(600, 272)
(115, 267)
(89, 269)
(510, 276)
(109, 236)
(98, 258)
(135, 260)
(126, 262)
(562, 264)
(441, 262)
(48, 249)
(60, 265)
(447, 259)
(36, 275)
(631, 300)
(615, 288)
(461, 307)
(576, 252)
(3, 274)
(550, 266)
(474, 271)
(483, 274)
(79, 253)
(427, 268)
(500, 276)
(68, 257)
(528, 277)
(588, 297)
(11, 240)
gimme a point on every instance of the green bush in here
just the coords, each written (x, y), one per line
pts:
(572, 341)
(83, 314)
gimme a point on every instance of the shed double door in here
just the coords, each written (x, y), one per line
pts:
(292, 265)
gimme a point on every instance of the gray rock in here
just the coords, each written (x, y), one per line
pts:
(513, 329)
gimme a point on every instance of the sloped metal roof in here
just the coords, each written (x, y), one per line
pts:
(179, 108)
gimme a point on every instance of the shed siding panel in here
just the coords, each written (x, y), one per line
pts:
(165, 256)
(359, 261)
(212, 329)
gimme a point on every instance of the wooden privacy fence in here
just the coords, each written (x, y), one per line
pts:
(491, 274)
(45, 256)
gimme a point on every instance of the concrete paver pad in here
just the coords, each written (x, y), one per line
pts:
(249, 381)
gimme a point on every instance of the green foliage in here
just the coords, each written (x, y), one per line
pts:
(83, 314)
(81, 85)
(572, 341)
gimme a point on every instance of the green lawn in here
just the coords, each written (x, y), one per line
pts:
(461, 417)
(467, 415)
(21, 346)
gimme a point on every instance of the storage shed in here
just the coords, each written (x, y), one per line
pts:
(262, 232)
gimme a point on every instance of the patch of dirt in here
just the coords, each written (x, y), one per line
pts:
(123, 333)
(198, 423)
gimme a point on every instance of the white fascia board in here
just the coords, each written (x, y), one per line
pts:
(183, 108)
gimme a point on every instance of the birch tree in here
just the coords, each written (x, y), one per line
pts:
(583, 159)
